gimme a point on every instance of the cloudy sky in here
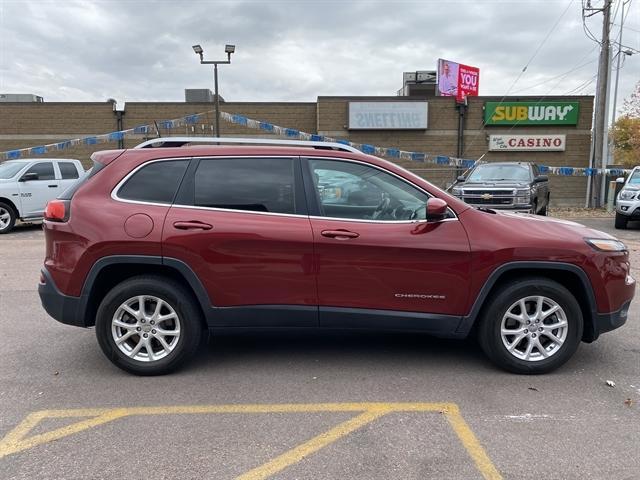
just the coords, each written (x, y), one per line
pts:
(290, 50)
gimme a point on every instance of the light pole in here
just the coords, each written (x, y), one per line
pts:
(229, 49)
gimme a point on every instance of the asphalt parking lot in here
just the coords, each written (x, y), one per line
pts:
(295, 406)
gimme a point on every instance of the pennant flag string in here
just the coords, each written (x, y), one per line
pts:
(290, 133)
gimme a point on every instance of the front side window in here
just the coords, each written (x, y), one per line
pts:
(253, 184)
(356, 191)
(43, 169)
(68, 170)
(157, 182)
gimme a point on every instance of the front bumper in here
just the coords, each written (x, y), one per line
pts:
(605, 322)
(628, 208)
(63, 308)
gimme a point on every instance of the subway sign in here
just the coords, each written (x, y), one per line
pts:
(531, 113)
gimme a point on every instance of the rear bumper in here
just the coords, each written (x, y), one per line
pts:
(61, 307)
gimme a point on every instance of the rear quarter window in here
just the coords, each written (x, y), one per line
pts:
(156, 182)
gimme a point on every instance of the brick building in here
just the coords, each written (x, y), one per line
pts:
(31, 124)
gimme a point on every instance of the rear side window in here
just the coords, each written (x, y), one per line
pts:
(44, 170)
(68, 170)
(157, 182)
(254, 184)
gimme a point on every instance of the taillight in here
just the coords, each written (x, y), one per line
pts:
(57, 211)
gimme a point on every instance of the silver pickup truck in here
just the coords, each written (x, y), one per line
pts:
(27, 185)
(628, 201)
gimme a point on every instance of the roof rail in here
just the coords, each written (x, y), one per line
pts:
(181, 141)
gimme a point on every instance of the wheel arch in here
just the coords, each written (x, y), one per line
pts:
(10, 203)
(109, 271)
(568, 275)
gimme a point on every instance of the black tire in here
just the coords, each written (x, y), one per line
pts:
(177, 297)
(621, 221)
(489, 331)
(12, 217)
(545, 210)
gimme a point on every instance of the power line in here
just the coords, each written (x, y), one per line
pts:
(524, 69)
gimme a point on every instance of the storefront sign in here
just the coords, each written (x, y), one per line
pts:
(526, 143)
(531, 113)
(388, 115)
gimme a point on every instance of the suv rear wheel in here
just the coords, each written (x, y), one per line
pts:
(531, 326)
(148, 325)
(7, 218)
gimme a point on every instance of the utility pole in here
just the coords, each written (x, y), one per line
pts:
(600, 131)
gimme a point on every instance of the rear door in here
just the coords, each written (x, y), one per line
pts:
(241, 225)
(374, 256)
(68, 174)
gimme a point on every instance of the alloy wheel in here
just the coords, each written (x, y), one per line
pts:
(145, 328)
(534, 328)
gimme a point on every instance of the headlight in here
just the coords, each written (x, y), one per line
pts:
(457, 191)
(627, 194)
(523, 196)
(606, 245)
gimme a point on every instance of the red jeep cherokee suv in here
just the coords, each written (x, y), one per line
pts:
(160, 243)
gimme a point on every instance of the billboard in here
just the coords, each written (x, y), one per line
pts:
(388, 115)
(531, 113)
(457, 80)
(528, 143)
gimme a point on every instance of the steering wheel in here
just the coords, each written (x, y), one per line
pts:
(382, 207)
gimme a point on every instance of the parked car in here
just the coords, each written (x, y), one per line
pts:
(27, 185)
(628, 200)
(515, 186)
(157, 246)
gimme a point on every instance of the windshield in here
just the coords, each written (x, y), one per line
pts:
(9, 169)
(633, 180)
(485, 173)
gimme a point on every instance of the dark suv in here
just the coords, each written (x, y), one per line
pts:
(157, 246)
(515, 186)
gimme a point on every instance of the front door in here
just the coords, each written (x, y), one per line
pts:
(34, 194)
(241, 225)
(373, 253)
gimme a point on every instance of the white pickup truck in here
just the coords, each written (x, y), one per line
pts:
(27, 185)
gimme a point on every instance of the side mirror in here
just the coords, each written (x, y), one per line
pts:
(461, 178)
(436, 209)
(540, 179)
(620, 180)
(29, 176)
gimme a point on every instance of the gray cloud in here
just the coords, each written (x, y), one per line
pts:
(291, 50)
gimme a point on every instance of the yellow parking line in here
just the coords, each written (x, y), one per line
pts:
(311, 446)
(17, 440)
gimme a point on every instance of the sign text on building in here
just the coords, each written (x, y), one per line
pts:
(531, 113)
(388, 115)
(524, 143)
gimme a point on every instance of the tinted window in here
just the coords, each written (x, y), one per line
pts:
(43, 169)
(157, 182)
(256, 184)
(68, 170)
(353, 190)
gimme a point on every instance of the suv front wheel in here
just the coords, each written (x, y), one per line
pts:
(148, 325)
(531, 326)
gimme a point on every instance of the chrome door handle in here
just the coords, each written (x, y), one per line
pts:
(193, 225)
(339, 234)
